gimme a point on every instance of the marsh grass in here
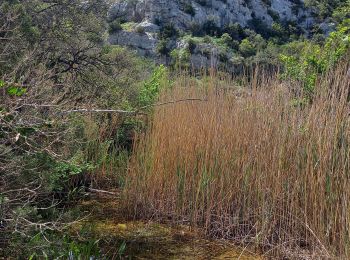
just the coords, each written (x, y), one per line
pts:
(257, 165)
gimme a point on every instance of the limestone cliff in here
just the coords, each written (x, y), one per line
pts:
(148, 16)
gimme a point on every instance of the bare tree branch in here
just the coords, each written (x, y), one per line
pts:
(118, 111)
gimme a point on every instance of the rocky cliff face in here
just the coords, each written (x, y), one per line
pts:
(183, 13)
(148, 16)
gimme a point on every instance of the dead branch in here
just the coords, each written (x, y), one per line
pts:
(118, 111)
(102, 191)
(84, 110)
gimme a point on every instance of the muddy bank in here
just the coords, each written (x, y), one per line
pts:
(123, 239)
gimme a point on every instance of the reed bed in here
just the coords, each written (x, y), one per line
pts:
(257, 165)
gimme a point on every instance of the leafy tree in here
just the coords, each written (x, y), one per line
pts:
(246, 48)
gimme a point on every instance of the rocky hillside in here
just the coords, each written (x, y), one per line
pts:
(184, 13)
(156, 27)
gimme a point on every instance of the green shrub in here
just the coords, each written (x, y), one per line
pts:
(168, 31)
(246, 48)
(151, 88)
(114, 26)
(226, 39)
(162, 47)
(140, 29)
(191, 46)
(188, 8)
(67, 177)
(211, 28)
(313, 59)
(235, 31)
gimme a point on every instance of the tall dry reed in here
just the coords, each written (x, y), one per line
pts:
(254, 165)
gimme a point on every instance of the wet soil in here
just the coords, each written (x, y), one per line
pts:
(120, 238)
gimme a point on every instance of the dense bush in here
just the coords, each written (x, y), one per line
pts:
(53, 62)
